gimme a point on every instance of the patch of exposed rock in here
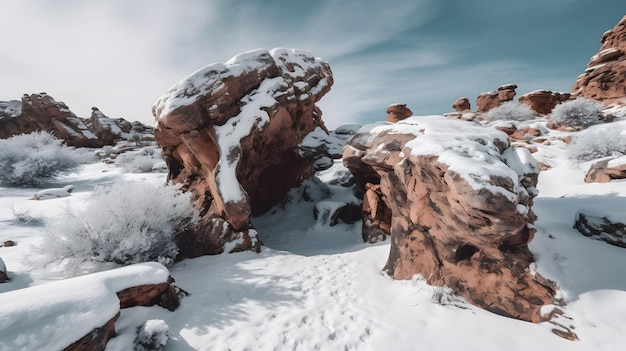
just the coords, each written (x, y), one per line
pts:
(457, 203)
(605, 77)
(41, 112)
(462, 104)
(601, 228)
(230, 134)
(492, 99)
(543, 101)
(3, 272)
(606, 170)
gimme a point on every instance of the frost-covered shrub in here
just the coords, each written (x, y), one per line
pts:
(152, 335)
(580, 112)
(139, 162)
(510, 111)
(596, 142)
(36, 158)
(126, 223)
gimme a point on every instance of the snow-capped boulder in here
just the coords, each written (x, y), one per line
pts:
(605, 77)
(398, 112)
(230, 134)
(606, 170)
(457, 202)
(492, 99)
(543, 101)
(601, 227)
(461, 105)
(74, 314)
(53, 193)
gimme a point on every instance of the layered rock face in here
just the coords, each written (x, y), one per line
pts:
(543, 101)
(457, 202)
(492, 99)
(605, 76)
(41, 112)
(230, 133)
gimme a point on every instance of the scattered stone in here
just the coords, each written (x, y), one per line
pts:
(601, 228)
(8, 243)
(489, 100)
(606, 170)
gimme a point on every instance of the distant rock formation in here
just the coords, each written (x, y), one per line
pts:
(492, 99)
(230, 134)
(457, 203)
(601, 228)
(398, 112)
(543, 101)
(605, 77)
(40, 112)
(462, 104)
(606, 170)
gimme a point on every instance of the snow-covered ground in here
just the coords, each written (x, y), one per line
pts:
(319, 287)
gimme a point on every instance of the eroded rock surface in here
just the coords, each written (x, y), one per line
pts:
(462, 104)
(229, 134)
(457, 203)
(492, 99)
(543, 101)
(605, 76)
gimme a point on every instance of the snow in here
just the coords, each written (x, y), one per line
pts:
(315, 286)
(10, 109)
(50, 316)
(53, 193)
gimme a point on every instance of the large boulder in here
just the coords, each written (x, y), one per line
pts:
(230, 134)
(492, 99)
(607, 170)
(456, 200)
(398, 112)
(543, 101)
(461, 104)
(605, 76)
(601, 228)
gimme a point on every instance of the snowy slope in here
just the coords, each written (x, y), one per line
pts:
(317, 287)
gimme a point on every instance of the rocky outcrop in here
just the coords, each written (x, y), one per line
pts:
(230, 134)
(398, 112)
(462, 104)
(606, 170)
(601, 228)
(605, 77)
(492, 99)
(40, 112)
(543, 101)
(162, 294)
(457, 203)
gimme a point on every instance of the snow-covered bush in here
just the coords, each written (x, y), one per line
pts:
(510, 111)
(580, 112)
(596, 142)
(126, 223)
(139, 162)
(36, 158)
(152, 335)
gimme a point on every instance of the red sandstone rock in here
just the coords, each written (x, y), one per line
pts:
(229, 134)
(457, 202)
(398, 112)
(462, 104)
(606, 170)
(97, 339)
(543, 101)
(489, 100)
(605, 76)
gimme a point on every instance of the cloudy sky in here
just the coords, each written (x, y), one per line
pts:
(122, 55)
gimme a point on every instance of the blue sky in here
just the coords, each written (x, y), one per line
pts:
(122, 55)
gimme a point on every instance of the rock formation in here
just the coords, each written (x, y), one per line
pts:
(492, 99)
(462, 104)
(41, 112)
(230, 134)
(601, 228)
(605, 76)
(606, 170)
(3, 272)
(457, 202)
(543, 101)
(398, 112)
